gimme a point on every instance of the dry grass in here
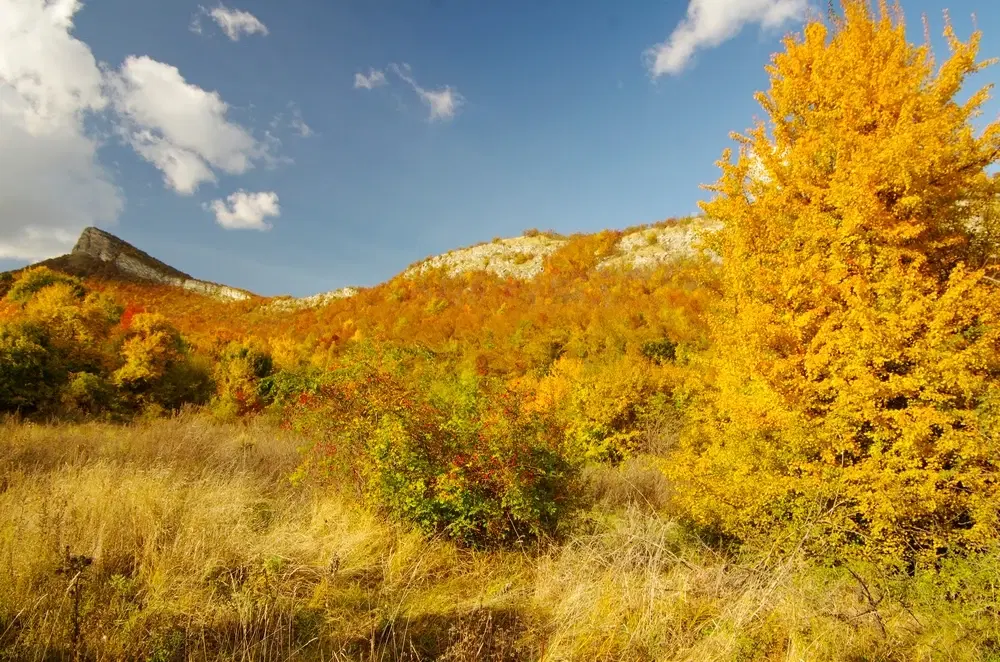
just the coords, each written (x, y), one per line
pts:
(201, 549)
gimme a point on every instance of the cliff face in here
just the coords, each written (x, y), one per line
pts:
(102, 254)
(106, 247)
(523, 257)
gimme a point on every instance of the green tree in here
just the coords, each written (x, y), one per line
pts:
(30, 373)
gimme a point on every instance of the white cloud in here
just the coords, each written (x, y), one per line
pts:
(299, 124)
(179, 127)
(443, 103)
(51, 183)
(294, 122)
(195, 25)
(245, 211)
(371, 81)
(234, 22)
(709, 23)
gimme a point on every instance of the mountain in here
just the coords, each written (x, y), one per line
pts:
(101, 254)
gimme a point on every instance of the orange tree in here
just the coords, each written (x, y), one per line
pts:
(856, 366)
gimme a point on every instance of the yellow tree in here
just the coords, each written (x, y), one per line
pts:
(856, 361)
(78, 323)
(151, 348)
(157, 368)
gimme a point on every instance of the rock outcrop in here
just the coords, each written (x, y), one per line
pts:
(106, 247)
(658, 245)
(284, 304)
(524, 257)
(102, 254)
(516, 257)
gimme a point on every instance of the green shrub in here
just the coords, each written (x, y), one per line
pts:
(87, 393)
(473, 465)
(30, 373)
(241, 374)
(456, 455)
(283, 386)
(187, 381)
(6, 280)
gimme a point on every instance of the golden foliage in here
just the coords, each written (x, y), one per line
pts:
(856, 350)
(150, 348)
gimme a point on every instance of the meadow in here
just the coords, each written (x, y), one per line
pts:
(183, 539)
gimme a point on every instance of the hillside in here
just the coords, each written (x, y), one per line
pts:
(102, 256)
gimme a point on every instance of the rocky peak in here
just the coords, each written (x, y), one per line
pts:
(102, 254)
(106, 247)
(98, 243)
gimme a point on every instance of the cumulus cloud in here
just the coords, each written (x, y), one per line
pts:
(51, 183)
(371, 81)
(246, 211)
(234, 22)
(709, 23)
(443, 102)
(179, 127)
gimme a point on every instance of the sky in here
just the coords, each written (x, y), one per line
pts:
(307, 145)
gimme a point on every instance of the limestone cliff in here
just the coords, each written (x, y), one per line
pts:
(104, 246)
(101, 254)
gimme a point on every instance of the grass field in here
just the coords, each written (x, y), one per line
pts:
(184, 539)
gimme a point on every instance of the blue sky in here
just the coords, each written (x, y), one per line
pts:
(559, 123)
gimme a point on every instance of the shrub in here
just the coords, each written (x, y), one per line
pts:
(186, 381)
(151, 346)
(600, 408)
(157, 368)
(6, 280)
(663, 350)
(240, 374)
(473, 465)
(461, 456)
(86, 393)
(78, 325)
(283, 386)
(30, 373)
(581, 254)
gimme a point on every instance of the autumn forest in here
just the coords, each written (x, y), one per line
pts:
(783, 445)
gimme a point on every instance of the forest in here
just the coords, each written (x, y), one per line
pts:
(784, 447)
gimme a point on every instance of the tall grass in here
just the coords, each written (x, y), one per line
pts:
(183, 539)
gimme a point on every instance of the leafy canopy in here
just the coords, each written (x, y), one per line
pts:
(856, 350)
